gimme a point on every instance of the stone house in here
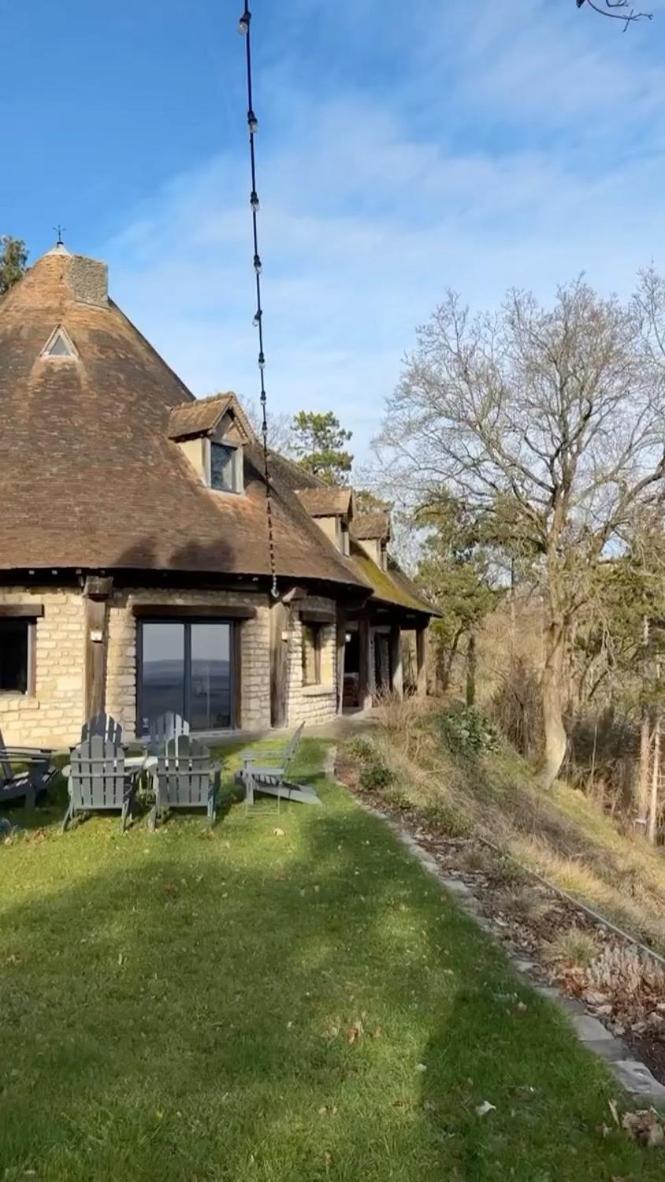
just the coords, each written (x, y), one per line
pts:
(134, 560)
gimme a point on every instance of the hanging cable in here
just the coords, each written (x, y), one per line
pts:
(252, 127)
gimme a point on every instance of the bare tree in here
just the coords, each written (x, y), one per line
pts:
(280, 431)
(548, 424)
(619, 10)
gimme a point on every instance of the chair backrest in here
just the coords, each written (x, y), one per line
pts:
(102, 724)
(167, 726)
(183, 768)
(294, 743)
(5, 764)
(97, 774)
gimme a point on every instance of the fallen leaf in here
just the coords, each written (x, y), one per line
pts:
(484, 1108)
(421, 1067)
(644, 1126)
(612, 1105)
(279, 833)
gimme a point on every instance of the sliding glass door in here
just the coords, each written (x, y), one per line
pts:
(186, 667)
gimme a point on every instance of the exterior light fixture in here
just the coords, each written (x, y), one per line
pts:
(243, 23)
(254, 199)
(262, 360)
(252, 122)
(257, 319)
(257, 264)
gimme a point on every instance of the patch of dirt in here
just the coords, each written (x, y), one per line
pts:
(620, 986)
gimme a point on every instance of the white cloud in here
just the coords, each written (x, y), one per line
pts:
(368, 216)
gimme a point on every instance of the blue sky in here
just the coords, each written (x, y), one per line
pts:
(403, 149)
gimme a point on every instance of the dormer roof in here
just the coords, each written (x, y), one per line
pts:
(326, 502)
(204, 416)
(374, 526)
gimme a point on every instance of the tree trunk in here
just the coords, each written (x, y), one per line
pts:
(645, 741)
(555, 733)
(471, 664)
(652, 826)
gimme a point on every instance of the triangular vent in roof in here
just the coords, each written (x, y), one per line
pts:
(59, 345)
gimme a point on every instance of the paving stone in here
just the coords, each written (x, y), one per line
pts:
(637, 1078)
(524, 966)
(610, 1049)
(590, 1029)
(458, 887)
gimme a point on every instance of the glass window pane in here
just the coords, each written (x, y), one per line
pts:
(222, 464)
(211, 677)
(163, 668)
(14, 655)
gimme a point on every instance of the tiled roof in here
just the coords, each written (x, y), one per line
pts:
(89, 478)
(390, 586)
(325, 502)
(372, 526)
(197, 418)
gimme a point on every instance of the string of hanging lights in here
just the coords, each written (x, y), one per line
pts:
(252, 127)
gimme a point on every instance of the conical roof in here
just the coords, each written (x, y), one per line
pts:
(89, 478)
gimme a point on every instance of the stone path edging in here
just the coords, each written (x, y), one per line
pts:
(634, 1076)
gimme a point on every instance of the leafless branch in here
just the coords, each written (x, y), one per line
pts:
(626, 14)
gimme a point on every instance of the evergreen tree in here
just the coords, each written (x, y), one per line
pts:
(13, 261)
(318, 442)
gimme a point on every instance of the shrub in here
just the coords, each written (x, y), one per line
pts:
(397, 798)
(575, 947)
(444, 817)
(468, 733)
(359, 748)
(376, 775)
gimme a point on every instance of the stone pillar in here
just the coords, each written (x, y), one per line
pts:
(421, 660)
(279, 664)
(96, 595)
(341, 653)
(396, 660)
(365, 679)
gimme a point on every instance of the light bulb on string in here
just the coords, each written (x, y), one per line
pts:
(257, 319)
(243, 23)
(252, 123)
(258, 266)
(254, 199)
(262, 360)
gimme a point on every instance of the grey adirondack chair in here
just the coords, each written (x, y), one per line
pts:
(187, 778)
(99, 780)
(25, 772)
(104, 725)
(270, 776)
(167, 726)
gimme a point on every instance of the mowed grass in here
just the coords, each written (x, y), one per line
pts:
(263, 1006)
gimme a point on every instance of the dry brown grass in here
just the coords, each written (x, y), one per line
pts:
(562, 835)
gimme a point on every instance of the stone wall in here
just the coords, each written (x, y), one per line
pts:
(312, 704)
(53, 713)
(254, 642)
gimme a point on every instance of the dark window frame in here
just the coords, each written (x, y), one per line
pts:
(315, 631)
(188, 621)
(16, 620)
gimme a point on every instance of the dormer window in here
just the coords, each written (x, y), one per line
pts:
(225, 468)
(212, 433)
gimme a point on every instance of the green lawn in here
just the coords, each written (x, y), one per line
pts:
(263, 1006)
